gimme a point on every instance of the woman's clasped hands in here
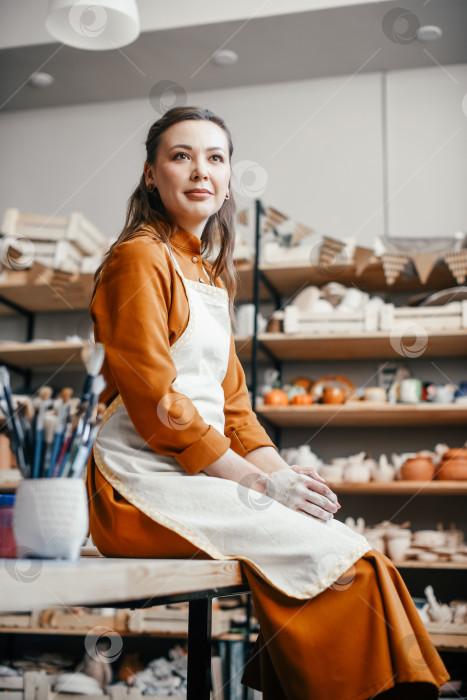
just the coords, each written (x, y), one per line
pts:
(301, 489)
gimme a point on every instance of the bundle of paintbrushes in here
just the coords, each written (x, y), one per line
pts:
(54, 438)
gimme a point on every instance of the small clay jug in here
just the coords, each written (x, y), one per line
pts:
(417, 468)
(333, 394)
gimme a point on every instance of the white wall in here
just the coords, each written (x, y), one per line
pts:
(320, 143)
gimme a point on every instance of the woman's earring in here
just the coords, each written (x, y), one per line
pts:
(150, 187)
(227, 195)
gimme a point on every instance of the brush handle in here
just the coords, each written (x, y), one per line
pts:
(56, 445)
(36, 467)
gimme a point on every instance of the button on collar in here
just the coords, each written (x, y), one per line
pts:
(194, 259)
(201, 279)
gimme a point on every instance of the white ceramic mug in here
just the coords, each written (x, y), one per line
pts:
(411, 390)
(246, 319)
(50, 518)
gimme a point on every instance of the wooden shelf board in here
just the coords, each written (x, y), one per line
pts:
(358, 346)
(43, 289)
(36, 354)
(364, 414)
(288, 279)
(409, 564)
(449, 642)
(427, 488)
(8, 486)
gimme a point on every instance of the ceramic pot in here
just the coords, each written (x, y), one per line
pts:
(417, 469)
(452, 470)
(397, 547)
(50, 518)
(333, 394)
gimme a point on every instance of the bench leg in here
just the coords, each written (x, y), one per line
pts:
(199, 649)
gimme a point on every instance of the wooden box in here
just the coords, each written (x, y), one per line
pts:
(297, 320)
(452, 316)
(168, 619)
(75, 229)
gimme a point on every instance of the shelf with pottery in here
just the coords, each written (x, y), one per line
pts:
(41, 288)
(402, 487)
(365, 414)
(409, 564)
(353, 346)
(449, 642)
(36, 353)
(287, 279)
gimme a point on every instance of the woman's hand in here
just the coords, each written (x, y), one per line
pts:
(317, 484)
(301, 492)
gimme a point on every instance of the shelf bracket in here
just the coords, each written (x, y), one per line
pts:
(30, 315)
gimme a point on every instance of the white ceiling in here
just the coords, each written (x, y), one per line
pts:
(276, 42)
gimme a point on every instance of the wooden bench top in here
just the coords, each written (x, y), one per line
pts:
(30, 584)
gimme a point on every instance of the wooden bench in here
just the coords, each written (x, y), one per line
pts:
(28, 585)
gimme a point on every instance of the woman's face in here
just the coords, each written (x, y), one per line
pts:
(192, 155)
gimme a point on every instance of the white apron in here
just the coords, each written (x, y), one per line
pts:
(297, 554)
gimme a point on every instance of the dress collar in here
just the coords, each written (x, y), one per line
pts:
(182, 239)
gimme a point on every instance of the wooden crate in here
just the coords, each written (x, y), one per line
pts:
(32, 685)
(452, 316)
(300, 321)
(165, 619)
(75, 229)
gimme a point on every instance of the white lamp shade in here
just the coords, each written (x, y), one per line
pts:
(95, 26)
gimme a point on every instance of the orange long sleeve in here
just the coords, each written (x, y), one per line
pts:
(139, 310)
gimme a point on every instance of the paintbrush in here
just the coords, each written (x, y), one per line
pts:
(45, 393)
(50, 421)
(13, 422)
(94, 367)
(98, 386)
(84, 451)
(59, 434)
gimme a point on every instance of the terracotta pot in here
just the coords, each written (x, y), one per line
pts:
(417, 469)
(452, 470)
(333, 394)
(459, 452)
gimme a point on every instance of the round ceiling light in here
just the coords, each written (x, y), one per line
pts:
(429, 32)
(224, 57)
(40, 80)
(108, 24)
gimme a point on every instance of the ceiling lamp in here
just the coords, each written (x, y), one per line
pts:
(107, 24)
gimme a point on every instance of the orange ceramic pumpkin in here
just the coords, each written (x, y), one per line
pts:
(302, 400)
(276, 397)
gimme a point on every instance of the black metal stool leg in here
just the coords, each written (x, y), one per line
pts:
(199, 649)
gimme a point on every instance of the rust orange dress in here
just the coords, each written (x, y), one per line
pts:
(360, 638)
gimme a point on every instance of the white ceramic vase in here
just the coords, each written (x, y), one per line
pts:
(50, 518)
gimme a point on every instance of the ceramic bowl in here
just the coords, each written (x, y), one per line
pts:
(333, 473)
(429, 538)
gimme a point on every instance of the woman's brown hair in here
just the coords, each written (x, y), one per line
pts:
(146, 208)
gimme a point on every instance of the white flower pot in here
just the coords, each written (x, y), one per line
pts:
(50, 518)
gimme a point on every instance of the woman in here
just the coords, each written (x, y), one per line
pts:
(182, 467)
